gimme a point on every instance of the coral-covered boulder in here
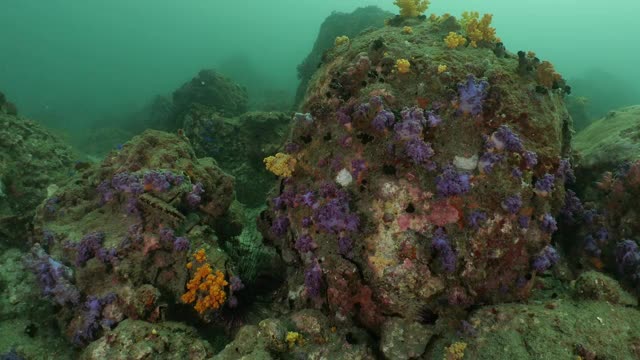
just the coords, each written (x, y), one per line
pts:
(425, 177)
(239, 145)
(136, 228)
(210, 89)
(33, 162)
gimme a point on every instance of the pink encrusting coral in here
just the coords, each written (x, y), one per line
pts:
(410, 184)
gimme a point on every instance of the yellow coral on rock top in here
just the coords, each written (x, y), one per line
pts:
(403, 66)
(412, 8)
(453, 40)
(455, 351)
(341, 40)
(281, 164)
(407, 30)
(478, 29)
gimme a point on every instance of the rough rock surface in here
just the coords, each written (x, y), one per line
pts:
(558, 329)
(337, 24)
(610, 141)
(32, 162)
(210, 89)
(137, 340)
(306, 334)
(126, 228)
(239, 145)
(416, 186)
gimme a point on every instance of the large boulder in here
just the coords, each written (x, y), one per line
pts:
(33, 162)
(337, 24)
(117, 238)
(422, 178)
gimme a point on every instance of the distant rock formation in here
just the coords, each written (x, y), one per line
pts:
(337, 24)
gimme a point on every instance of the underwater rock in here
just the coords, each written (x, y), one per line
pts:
(210, 89)
(593, 285)
(411, 230)
(558, 329)
(402, 339)
(135, 339)
(31, 160)
(609, 141)
(128, 229)
(239, 144)
(307, 334)
(337, 24)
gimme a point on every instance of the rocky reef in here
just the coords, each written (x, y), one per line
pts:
(33, 162)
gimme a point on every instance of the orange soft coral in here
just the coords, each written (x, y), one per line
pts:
(206, 288)
(547, 75)
(412, 8)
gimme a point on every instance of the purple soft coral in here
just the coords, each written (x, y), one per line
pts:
(334, 216)
(420, 152)
(547, 258)
(472, 95)
(451, 182)
(93, 319)
(628, 261)
(512, 204)
(53, 277)
(440, 243)
(313, 280)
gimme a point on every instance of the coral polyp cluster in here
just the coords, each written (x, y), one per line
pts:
(412, 8)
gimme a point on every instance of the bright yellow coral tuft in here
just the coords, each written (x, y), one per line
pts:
(293, 338)
(412, 8)
(281, 164)
(442, 68)
(478, 29)
(407, 30)
(403, 66)
(342, 40)
(206, 288)
(454, 40)
(455, 351)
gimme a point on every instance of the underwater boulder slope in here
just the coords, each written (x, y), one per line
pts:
(33, 162)
(134, 237)
(422, 175)
(602, 214)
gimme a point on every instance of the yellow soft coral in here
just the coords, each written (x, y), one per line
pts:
(293, 338)
(455, 351)
(281, 164)
(478, 29)
(342, 40)
(206, 288)
(442, 68)
(453, 40)
(412, 8)
(403, 66)
(407, 30)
